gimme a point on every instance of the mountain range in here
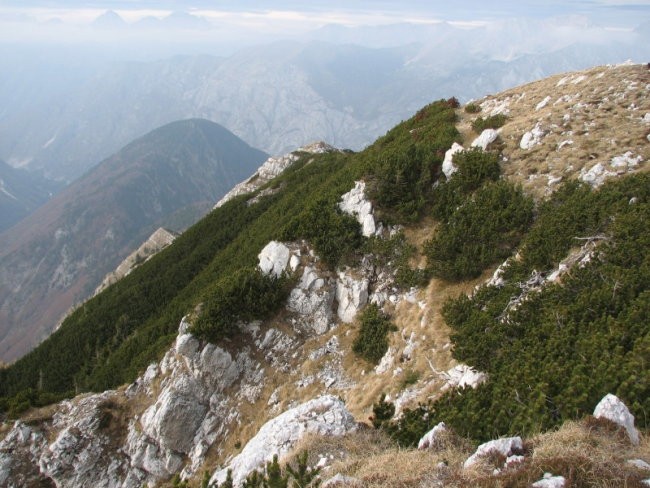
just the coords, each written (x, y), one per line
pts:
(57, 256)
(277, 96)
(462, 303)
(22, 192)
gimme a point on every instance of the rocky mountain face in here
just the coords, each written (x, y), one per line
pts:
(21, 192)
(56, 258)
(156, 242)
(291, 380)
(300, 92)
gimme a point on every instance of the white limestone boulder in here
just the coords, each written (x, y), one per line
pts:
(487, 137)
(351, 295)
(448, 167)
(550, 481)
(507, 446)
(533, 137)
(355, 203)
(612, 408)
(325, 415)
(462, 376)
(312, 300)
(274, 258)
(430, 439)
(173, 420)
(596, 175)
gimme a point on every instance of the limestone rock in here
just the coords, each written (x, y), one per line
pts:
(533, 137)
(596, 175)
(507, 446)
(429, 440)
(639, 464)
(355, 203)
(612, 408)
(341, 480)
(274, 258)
(550, 481)
(271, 168)
(325, 415)
(487, 137)
(448, 167)
(312, 299)
(159, 240)
(77, 457)
(462, 376)
(351, 294)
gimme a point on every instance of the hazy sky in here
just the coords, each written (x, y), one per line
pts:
(243, 22)
(614, 12)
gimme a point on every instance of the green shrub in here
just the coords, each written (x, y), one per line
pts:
(246, 295)
(472, 108)
(382, 412)
(556, 354)
(394, 254)
(372, 341)
(403, 165)
(474, 168)
(491, 122)
(482, 231)
(335, 235)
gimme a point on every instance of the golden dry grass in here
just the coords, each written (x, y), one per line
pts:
(605, 107)
(586, 453)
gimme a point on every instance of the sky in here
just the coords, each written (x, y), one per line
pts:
(616, 12)
(251, 21)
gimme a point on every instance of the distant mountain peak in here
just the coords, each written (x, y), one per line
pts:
(109, 20)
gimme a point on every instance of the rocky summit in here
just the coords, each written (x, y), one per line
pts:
(460, 304)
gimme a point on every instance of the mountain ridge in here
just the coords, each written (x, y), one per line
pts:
(290, 302)
(183, 165)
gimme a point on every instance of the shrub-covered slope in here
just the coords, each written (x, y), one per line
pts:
(541, 288)
(105, 342)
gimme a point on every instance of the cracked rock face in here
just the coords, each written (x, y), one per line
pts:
(612, 408)
(355, 203)
(312, 300)
(352, 295)
(325, 415)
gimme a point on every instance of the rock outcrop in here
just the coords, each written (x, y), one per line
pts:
(612, 408)
(271, 168)
(351, 294)
(431, 438)
(461, 376)
(274, 259)
(312, 300)
(508, 446)
(550, 481)
(355, 203)
(448, 167)
(159, 240)
(324, 415)
(487, 137)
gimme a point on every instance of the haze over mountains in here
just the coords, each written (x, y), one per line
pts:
(58, 255)
(67, 108)
(21, 192)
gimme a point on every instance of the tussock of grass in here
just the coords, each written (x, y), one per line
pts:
(589, 453)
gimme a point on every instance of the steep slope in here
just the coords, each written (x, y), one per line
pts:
(21, 192)
(352, 275)
(56, 257)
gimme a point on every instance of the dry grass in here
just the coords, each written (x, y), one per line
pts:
(369, 456)
(605, 94)
(587, 453)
